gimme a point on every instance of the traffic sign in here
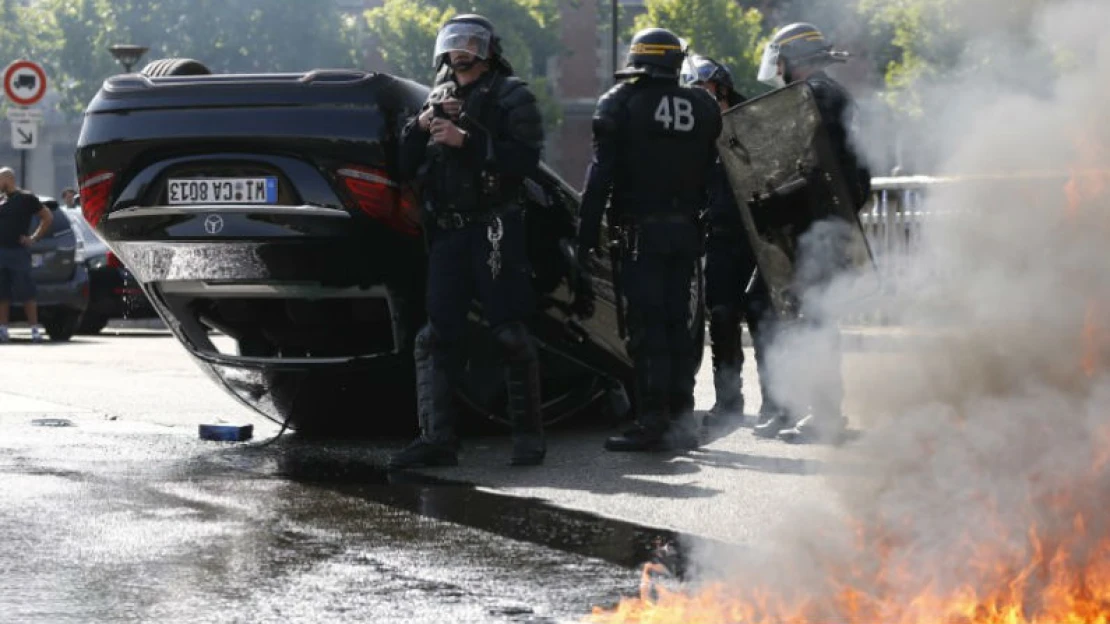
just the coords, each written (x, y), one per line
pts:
(24, 82)
(25, 135)
(25, 114)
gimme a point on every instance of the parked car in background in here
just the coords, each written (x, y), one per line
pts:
(114, 293)
(61, 277)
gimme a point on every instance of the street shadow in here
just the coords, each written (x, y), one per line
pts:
(358, 471)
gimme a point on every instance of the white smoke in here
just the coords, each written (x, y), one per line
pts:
(994, 426)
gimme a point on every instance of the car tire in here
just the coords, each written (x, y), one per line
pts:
(62, 326)
(175, 67)
(92, 324)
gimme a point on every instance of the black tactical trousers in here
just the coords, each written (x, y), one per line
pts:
(661, 344)
(459, 272)
(729, 265)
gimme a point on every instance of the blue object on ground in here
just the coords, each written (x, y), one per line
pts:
(226, 433)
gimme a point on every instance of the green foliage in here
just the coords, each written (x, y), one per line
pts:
(240, 36)
(948, 41)
(28, 33)
(720, 29)
(404, 33)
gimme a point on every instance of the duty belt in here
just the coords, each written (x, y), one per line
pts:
(460, 220)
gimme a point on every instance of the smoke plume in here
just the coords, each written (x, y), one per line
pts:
(995, 446)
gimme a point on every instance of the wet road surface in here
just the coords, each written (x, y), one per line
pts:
(103, 525)
(127, 516)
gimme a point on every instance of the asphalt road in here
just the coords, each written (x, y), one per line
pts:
(114, 510)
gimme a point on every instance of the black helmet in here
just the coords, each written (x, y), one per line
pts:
(698, 70)
(471, 33)
(797, 44)
(654, 52)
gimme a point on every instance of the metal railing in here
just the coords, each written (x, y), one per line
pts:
(892, 221)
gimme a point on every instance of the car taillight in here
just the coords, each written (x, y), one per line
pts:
(382, 199)
(94, 189)
(113, 261)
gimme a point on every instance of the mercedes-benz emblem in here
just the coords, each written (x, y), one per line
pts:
(213, 224)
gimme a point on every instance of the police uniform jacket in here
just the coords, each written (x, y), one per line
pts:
(505, 139)
(654, 146)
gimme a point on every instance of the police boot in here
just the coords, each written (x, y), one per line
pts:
(524, 402)
(653, 431)
(437, 444)
(772, 419)
(815, 429)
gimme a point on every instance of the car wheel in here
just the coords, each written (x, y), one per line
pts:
(174, 67)
(60, 327)
(92, 324)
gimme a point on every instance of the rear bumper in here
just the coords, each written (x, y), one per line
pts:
(316, 306)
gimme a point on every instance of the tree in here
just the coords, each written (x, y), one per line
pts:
(28, 34)
(946, 41)
(720, 29)
(240, 36)
(404, 32)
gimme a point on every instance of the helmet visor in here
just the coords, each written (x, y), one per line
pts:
(769, 66)
(698, 70)
(463, 37)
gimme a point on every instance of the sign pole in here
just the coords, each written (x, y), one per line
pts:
(24, 84)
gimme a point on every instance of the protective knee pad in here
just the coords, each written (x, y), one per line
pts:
(515, 342)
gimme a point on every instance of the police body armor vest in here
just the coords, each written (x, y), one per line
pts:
(458, 182)
(665, 148)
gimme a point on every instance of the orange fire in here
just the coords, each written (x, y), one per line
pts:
(1086, 190)
(1056, 581)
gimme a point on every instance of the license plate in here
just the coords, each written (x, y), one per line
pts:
(223, 191)
(36, 261)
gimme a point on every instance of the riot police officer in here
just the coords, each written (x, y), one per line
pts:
(477, 137)
(654, 144)
(729, 266)
(801, 52)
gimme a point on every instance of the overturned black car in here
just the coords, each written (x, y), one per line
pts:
(264, 207)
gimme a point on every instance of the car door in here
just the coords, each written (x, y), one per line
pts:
(53, 257)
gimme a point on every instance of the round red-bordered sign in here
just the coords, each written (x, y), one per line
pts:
(18, 87)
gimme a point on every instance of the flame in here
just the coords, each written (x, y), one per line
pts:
(1084, 190)
(1060, 576)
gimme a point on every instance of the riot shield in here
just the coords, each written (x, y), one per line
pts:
(793, 199)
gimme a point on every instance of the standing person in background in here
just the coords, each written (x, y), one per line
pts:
(729, 264)
(69, 198)
(17, 208)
